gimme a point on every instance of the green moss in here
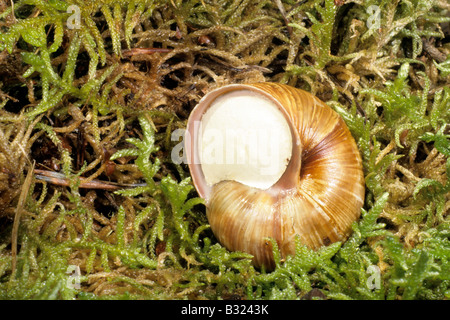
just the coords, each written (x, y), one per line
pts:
(85, 101)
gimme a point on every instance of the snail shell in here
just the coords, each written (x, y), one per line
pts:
(317, 194)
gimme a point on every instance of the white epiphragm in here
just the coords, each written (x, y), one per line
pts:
(244, 137)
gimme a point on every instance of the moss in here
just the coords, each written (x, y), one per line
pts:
(93, 103)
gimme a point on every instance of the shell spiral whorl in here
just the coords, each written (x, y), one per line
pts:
(318, 196)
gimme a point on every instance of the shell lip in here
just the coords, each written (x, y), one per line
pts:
(286, 182)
